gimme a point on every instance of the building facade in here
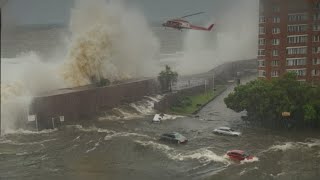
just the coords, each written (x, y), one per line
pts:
(289, 39)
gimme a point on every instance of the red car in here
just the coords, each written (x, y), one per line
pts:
(239, 155)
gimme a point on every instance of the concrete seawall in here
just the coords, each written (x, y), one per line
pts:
(79, 103)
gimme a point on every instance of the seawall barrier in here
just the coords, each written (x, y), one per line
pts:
(77, 104)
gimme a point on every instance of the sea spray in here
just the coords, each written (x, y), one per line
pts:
(22, 78)
(109, 41)
(14, 107)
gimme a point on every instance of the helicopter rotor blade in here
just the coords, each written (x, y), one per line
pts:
(192, 15)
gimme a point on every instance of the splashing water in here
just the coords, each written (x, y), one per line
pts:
(254, 159)
(104, 43)
(22, 78)
(203, 155)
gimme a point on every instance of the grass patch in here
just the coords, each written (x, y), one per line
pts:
(187, 105)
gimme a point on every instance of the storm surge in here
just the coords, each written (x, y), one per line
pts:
(22, 78)
(109, 41)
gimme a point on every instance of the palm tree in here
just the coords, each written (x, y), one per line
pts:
(166, 78)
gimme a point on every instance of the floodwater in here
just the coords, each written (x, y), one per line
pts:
(129, 149)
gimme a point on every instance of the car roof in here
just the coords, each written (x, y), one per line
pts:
(223, 127)
(171, 133)
(236, 151)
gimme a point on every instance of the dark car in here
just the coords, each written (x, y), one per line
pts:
(174, 137)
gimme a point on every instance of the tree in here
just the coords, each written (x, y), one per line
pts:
(166, 78)
(265, 101)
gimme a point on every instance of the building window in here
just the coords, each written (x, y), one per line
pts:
(262, 41)
(275, 41)
(274, 73)
(316, 61)
(297, 39)
(316, 38)
(296, 50)
(296, 61)
(275, 30)
(262, 73)
(317, 5)
(262, 30)
(297, 28)
(261, 52)
(316, 27)
(276, 9)
(275, 52)
(261, 63)
(316, 16)
(275, 63)
(315, 50)
(276, 19)
(315, 72)
(262, 19)
(298, 17)
(299, 72)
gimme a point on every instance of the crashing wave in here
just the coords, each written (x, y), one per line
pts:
(203, 155)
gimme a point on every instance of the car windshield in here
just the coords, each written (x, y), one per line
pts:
(245, 155)
(178, 135)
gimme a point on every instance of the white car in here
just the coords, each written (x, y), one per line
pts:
(226, 131)
(157, 118)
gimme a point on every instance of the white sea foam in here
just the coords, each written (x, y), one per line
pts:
(123, 134)
(26, 132)
(254, 159)
(309, 143)
(141, 108)
(90, 129)
(144, 108)
(203, 155)
(283, 147)
(25, 143)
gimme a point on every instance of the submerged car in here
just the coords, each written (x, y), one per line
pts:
(157, 118)
(226, 131)
(174, 138)
(239, 155)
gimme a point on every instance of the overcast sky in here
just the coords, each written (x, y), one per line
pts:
(20, 12)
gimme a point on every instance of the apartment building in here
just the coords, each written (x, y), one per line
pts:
(289, 39)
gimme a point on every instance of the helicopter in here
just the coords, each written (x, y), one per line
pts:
(180, 23)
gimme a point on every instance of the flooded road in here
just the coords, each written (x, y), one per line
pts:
(130, 149)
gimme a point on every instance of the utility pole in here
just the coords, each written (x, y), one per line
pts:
(213, 82)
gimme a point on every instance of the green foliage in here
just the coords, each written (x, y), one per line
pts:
(183, 101)
(265, 101)
(190, 104)
(166, 78)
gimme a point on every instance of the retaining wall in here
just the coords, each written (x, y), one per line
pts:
(79, 104)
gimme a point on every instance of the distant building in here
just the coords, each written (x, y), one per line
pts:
(289, 39)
